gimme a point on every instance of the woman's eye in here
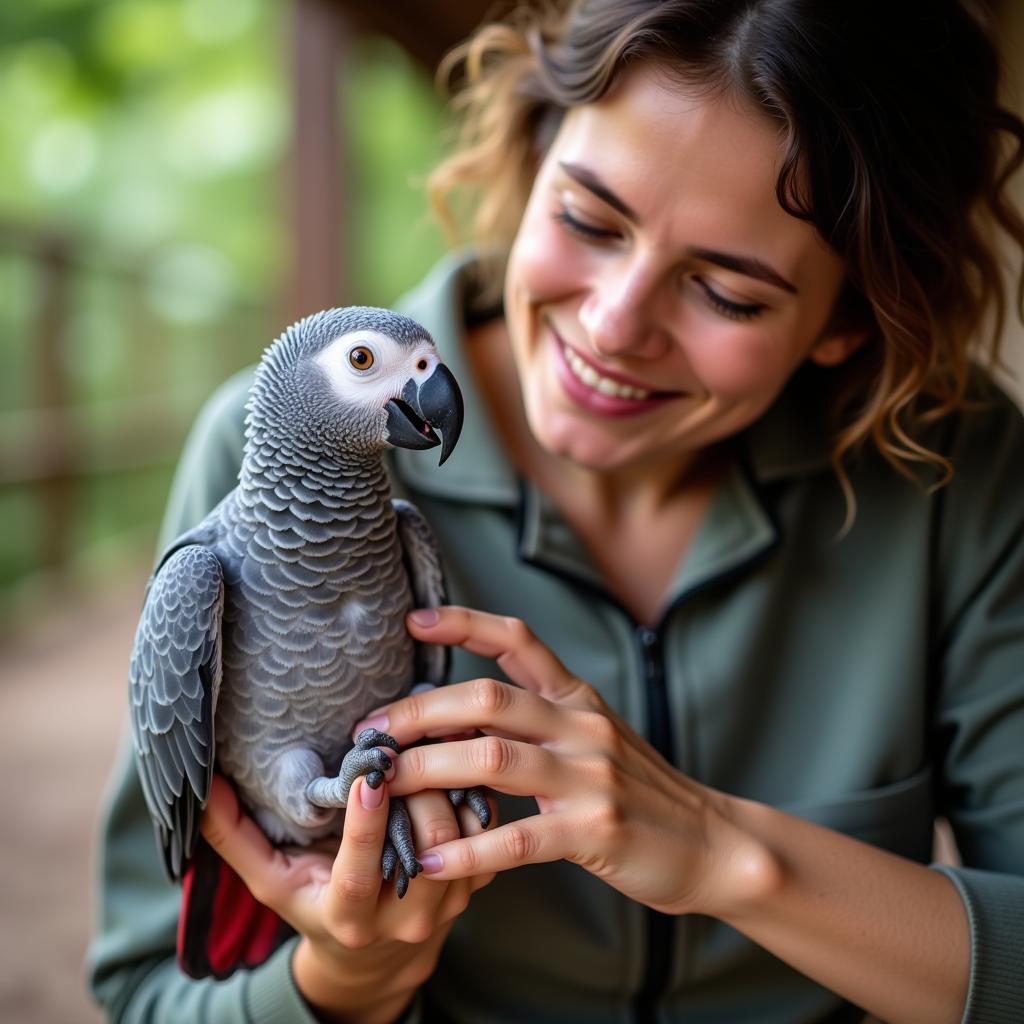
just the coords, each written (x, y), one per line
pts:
(361, 357)
(727, 307)
(582, 228)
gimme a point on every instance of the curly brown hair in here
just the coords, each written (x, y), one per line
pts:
(896, 148)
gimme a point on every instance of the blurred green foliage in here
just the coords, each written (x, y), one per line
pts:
(152, 136)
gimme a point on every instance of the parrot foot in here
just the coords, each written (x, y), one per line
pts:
(365, 758)
(399, 857)
(392, 866)
(474, 799)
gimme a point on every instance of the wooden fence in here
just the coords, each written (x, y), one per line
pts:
(58, 439)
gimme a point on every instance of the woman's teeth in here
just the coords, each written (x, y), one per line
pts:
(586, 373)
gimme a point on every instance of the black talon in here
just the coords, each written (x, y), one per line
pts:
(401, 883)
(478, 802)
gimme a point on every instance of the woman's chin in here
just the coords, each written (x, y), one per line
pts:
(588, 447)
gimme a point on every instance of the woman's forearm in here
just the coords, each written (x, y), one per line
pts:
(886, 933)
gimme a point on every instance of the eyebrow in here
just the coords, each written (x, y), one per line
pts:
(746, 265)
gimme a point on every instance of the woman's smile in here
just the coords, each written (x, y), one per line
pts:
(601, 391)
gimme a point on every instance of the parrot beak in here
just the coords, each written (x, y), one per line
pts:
(437, 402)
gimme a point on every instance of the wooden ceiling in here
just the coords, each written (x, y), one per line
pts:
(426, 29)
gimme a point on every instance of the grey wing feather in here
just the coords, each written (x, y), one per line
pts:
(174, 679)
(426, 574)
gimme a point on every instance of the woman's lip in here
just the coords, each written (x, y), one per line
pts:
(619, 378)
(595, 402)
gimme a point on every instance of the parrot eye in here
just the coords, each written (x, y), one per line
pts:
(361, 357)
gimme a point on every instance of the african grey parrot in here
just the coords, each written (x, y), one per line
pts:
(277, 623)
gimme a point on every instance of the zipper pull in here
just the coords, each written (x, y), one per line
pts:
(648, 640)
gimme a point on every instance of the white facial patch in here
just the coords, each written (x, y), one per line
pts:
(367, 368)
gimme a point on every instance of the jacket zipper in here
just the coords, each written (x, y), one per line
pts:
(660, 929)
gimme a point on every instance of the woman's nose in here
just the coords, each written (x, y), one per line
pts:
(620, 318)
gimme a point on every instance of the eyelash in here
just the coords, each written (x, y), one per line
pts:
(726, 307)
(582, 228)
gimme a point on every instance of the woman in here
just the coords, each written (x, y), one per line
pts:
(730, 462)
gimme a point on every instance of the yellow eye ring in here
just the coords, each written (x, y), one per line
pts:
(361, 357)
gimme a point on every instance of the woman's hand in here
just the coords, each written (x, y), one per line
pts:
(608, 800)
(362, 952)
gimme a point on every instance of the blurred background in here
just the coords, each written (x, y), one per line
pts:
(178, 180)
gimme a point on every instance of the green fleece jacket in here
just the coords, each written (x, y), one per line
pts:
(868, 683)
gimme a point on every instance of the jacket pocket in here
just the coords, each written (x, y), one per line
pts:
(899, 817)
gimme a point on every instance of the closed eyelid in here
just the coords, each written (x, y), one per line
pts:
(581, 225)
(726, 306)
(593, 184)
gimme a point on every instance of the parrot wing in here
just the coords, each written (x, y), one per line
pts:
(423, 564)
(174, 679)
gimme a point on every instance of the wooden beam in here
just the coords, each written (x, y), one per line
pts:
(318, 184)
(425, 29)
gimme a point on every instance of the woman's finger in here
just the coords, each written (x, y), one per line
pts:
(508, 766)
(525, 660)
(433, 819)
(533, 840)
(480, 704)
(356, 874)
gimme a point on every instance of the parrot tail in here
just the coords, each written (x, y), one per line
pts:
(222, 927)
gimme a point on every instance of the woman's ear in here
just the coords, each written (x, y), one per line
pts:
(835, 348)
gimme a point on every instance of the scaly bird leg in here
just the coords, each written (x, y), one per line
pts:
(365, 758)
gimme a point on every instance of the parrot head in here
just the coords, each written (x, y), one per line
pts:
(361, 379)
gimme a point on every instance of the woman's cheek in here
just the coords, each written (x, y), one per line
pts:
(545, 264)
(740, 364)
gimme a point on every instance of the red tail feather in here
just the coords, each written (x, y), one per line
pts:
(222, 927)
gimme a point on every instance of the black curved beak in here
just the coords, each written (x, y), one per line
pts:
(436, 403)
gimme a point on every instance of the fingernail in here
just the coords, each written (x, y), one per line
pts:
(378, 722)
(370, 798)
(432, 862)
(425, 616)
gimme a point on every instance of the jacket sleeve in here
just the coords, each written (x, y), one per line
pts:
(133, 972)
(980, 700)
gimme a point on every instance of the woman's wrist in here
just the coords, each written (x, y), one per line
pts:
(339, 998)
(742, 871)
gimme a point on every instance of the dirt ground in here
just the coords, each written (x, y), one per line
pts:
(62, 704)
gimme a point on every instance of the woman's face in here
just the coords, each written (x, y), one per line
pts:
(657, 295)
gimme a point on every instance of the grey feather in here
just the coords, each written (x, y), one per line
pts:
(423, 563)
